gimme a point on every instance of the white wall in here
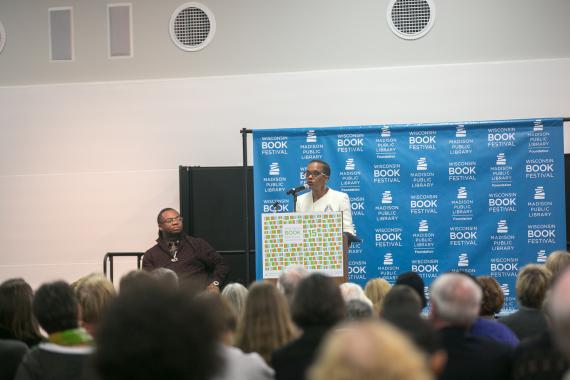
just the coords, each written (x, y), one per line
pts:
(85, 167)
(268, 36)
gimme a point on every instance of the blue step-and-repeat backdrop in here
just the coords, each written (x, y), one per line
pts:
(485, 198)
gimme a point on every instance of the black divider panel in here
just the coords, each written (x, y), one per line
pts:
(567, 195)
(211, 202)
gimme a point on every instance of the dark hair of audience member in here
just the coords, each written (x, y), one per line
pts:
(425, 337)
(413, 280)
(357, 310)
(493, 297)
(317, 302)
(223, 316)
(266, 324)
(16, 313)
(154, 332)
(401, 300)
(55, 307)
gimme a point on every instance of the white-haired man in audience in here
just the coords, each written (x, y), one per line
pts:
(290, 278)
(455, 301)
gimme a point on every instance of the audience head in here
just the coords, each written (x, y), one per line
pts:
(16, 313)
(136, 279)
(493, 297)
(368, 350)
(357, 310)
(426, 339)
(413, 280)
(222, 315)
(376, 289)
(559, 311)
(455, 300)
(235, 295)
(94, 294)
(165, 276)
(317, 302)
(290, 278)
(557, 262)
(55, 307)
(401, 300)
(351, 291)
(266, 323)
(157, 333)
(532, 283)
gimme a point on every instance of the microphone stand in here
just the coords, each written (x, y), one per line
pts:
(295, 201)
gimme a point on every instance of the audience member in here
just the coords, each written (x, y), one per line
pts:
(532, 283)
(289, 280)
(358, 309)
(67, 352)
(137, 279)
(486, 325)
(317, 307)
(369, 350)
(413, 280)
(16, 317)
(399, 301)
(559, 312)
(266, 323)
(155, 332)
(94, 293)
(376, 289)
(11, 354)
(426, 339)
(165, 276)
(237, 364)
(455, 301)
(236, 295)
(538, 357)
(351, 291)
(557, 262)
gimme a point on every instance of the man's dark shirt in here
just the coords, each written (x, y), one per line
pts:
(197, 260)
(474, 358)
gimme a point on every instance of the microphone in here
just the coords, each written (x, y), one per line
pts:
(295, 190)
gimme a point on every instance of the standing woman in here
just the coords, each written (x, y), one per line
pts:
(266, 323)
(16, 317)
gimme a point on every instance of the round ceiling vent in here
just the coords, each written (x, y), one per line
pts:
(410, 19)
(2, 37)
(192, 26)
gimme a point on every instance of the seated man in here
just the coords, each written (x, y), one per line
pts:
(191, 258)
(455, 300)
(65, 355)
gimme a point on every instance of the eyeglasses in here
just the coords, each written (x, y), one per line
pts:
(172, 220)
(314, 173)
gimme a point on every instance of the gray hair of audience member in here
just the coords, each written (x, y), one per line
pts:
(290, 278)
(401, 300)
(136, 279)
(236, 296)
(559, 311)
(557, 262)
(165, 276)
(351, 291)
(455, 299)
(357, 310)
